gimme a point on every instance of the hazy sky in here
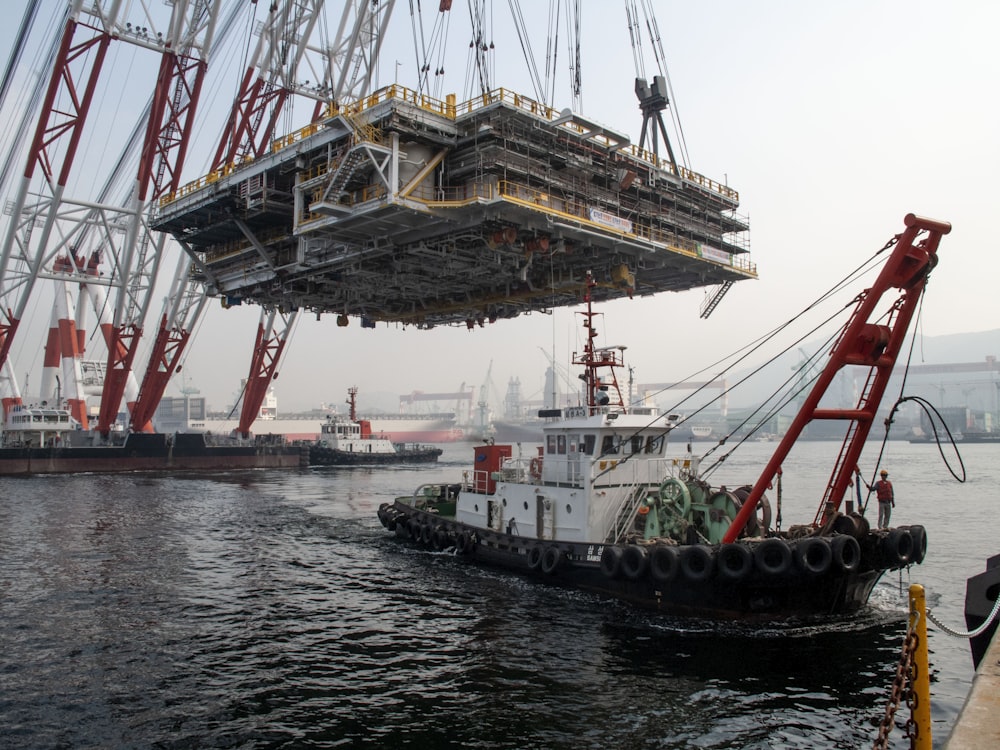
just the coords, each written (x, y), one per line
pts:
(832, 120)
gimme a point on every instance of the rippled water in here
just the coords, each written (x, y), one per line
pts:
(270, 609)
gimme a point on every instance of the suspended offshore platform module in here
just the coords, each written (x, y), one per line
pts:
(405, 208)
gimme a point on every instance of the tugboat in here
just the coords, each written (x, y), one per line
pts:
(348, 441)
(604, 507)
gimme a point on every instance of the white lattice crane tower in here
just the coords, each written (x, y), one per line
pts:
(63, 238)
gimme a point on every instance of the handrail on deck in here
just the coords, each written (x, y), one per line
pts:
(447, 108)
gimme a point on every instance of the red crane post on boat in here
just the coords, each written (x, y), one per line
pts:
(862, 343)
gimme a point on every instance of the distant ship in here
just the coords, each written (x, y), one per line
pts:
(959, 437)
(189, 414)
(396, 428)
(518, 431)
(417, 428)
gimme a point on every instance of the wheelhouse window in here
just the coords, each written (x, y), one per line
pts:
(636, 443)
(589, 441)
(655, 444)
(609, 445)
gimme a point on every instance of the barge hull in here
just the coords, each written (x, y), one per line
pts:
(151, 452)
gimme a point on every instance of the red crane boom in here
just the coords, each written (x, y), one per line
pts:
(864, 344)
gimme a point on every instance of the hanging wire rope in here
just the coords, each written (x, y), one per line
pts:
(427, 47)
(729, 361)
(31, 93)
(656, 42)
(576, 62)
(932, 413)
(557, 16)
(635, 36)
(480, 53)
(975, 632)
(552, 52)
(790, 396)
(529, 56)
(747, 350)
(439, 41)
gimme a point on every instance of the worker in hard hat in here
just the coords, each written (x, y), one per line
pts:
(886, 499)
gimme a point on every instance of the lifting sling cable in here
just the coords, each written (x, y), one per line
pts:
(529, 57)
(419, 46)
(439, 38)
(552, 52)
(754, 345)
(656, 42)
(749, 349)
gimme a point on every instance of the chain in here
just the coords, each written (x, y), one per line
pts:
(972, 633)
(910, 726)
(906, 677)
(900, 686)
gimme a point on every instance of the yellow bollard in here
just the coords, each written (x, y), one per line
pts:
(920, 668)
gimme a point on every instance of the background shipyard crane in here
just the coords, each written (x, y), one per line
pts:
(391, 204)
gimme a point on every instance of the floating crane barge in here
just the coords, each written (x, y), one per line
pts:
(404, 208)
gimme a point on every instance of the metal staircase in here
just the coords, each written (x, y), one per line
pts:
(625, 515)
(715, 298)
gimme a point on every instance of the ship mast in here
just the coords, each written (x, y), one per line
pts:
(352, 401)
(601, 392)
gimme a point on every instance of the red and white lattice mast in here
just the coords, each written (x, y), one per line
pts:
(64, 239)
(342, 71)
(50, 231)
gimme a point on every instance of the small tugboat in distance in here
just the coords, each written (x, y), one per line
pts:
(348, 441)
(603, 507)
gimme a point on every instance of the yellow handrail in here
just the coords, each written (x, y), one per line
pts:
(448, 109)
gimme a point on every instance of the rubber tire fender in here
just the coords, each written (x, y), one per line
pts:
(697, 562)
(734, 561)
(552, 560)
(919, 534)
(611, 561)
(463, 543)
(813, 555)
(441, 539)
(664, 563)
(413, 524)
(897, 547)
(535, 557)
(635, 562)
(846, 552)
(773, 558)
(426, 533)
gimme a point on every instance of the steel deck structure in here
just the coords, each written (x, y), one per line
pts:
(404, 208)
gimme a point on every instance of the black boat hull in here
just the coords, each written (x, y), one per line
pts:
(320, 456)
(772, 579)
(153, 452)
